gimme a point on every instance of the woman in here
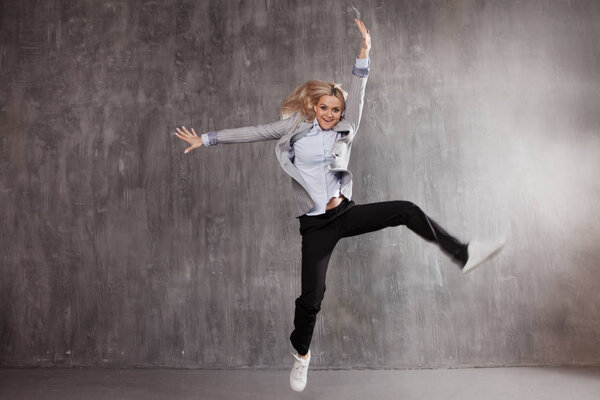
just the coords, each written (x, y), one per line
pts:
(314, 141)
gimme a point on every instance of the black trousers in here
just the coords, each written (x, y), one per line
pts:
(320, 234)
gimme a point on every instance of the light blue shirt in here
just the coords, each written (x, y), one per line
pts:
(312, 156)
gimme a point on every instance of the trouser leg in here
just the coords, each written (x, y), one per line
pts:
(371, 217)
(316, 252)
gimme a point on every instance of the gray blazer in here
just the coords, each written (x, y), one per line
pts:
(293, 128)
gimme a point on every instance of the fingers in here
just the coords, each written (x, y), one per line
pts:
(184, 132)
(361, 26)
(180, 134)
(191, 138)
(190, 149)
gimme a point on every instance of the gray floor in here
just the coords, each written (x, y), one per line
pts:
(463, 384)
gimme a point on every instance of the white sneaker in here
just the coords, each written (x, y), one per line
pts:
(299, 372)
(481, 251)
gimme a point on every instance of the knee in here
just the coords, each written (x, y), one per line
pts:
(311, 300)
(406, 205)
(403, 212)
(409, 209)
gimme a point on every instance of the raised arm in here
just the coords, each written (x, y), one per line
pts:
(360, 73)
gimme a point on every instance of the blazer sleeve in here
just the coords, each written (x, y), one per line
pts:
(247, 134)
(356, 95)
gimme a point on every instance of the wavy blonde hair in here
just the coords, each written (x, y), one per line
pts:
(306, 96)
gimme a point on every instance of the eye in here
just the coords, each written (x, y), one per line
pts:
(323, 108)
(336, 110)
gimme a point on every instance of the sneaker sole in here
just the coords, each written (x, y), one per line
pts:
(475, 266)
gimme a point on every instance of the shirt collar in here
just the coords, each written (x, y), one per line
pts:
(315, 129)
(316, 124)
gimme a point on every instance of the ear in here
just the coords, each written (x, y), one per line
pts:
(315, 108)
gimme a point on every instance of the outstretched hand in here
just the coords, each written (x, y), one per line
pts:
(366, 38)
(194, 140)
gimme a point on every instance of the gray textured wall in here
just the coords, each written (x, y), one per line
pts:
(119, 250)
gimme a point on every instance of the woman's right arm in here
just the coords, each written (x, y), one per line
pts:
(245, 134)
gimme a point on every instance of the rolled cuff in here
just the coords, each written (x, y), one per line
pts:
(361, 67)
(209, 139)
(362, 62)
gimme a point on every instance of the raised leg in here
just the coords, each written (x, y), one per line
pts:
(364, 218)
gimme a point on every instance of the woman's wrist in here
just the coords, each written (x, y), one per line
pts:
(364, 53)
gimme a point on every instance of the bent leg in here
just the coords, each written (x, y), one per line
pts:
(364, 218)
(316, 252)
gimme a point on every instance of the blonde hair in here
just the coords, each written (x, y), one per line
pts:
(306, 96)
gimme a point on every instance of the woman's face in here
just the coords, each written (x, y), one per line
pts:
(329, 111)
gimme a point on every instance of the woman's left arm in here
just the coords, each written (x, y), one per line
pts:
(360, 73)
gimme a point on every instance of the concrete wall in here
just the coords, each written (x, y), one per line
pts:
(119, 250)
